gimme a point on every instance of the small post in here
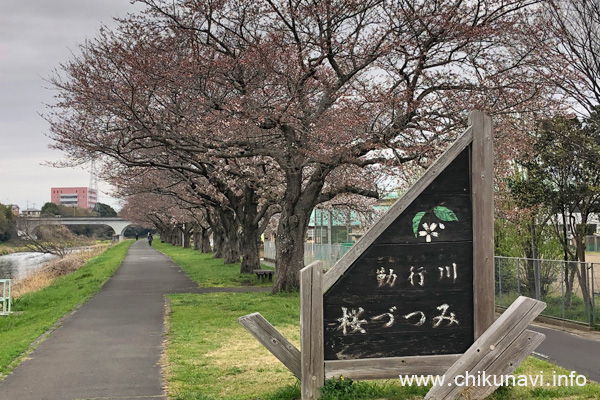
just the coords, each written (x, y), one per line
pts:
(500, 282)
(593, 298)
(590, 293)
(518, 277)
(562, 288)
(311, 331)
(482, 195)
(538, 281)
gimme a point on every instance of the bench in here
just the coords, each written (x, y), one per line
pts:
(262, 273)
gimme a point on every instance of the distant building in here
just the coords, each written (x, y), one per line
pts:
(31, 212)
(74, 196)
(15, 210)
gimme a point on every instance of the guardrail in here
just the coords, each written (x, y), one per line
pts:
(5, 300)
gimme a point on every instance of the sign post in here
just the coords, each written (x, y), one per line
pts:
(416, 292)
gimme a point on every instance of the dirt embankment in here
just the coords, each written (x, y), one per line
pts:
(61, 267)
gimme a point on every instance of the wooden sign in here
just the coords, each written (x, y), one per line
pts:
(414, 293)
(408, 287)
(411, 291)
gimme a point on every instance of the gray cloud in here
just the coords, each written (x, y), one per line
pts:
(35, 37)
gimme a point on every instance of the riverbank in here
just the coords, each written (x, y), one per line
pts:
(47, 274)
(36, 312)
(11, 247)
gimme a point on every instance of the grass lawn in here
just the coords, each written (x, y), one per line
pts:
(211, 356)
(208, 271)
(36, 312)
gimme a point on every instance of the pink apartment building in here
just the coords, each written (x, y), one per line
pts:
(73, 196)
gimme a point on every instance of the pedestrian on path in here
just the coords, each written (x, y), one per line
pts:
(150, 238)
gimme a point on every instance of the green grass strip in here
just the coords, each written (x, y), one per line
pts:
(212, 357)
(208, 271)
(36, 312)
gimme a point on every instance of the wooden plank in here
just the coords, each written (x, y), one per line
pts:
(482, 181)
(274, 341)
(311, 330)
(390, 367)
(506, 364)
(490, 346)
(399, 206)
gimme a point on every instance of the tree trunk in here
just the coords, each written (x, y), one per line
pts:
(231, 248)
(250, 237)
(582, 274)
(231, 237)
(250, 250)
(569, 280)
(298, 203)
(186, 240)
(218, 242)
(197, 238)
(205, 247)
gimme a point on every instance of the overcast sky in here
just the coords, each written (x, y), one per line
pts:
(35, 36)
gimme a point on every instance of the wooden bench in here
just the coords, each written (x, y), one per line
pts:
(262, 273)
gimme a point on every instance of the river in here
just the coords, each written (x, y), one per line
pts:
(19, 265)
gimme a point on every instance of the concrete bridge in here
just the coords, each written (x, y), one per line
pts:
(117, 224)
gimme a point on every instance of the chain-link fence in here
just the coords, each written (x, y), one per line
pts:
(329, 254)
(569, 288)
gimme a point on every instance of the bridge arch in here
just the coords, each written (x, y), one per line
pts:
(117, 224)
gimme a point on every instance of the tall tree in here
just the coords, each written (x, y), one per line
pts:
(8, 223)
(50, 209)
(104, 210)
(571, 40)
(566, 166)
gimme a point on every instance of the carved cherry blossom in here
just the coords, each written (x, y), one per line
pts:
(429, 231)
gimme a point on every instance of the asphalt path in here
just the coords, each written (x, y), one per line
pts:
(576, 351)
(109, 348)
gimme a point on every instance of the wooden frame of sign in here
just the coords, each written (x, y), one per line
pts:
(424, 274)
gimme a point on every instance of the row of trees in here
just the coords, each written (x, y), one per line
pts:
(56, 210)
(222, 116)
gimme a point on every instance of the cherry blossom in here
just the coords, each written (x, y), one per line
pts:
(429, 231)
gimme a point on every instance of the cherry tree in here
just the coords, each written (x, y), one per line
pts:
(337, 84)
(310, 97)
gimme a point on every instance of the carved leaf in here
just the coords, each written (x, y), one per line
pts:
(417, 221)
(445, 214)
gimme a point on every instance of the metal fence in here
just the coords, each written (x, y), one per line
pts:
(563, 285)
(558, 283)
(329, 254)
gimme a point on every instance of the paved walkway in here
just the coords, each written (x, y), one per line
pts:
(110, 347)
(573, 350)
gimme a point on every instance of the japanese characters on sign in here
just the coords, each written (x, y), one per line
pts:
(410, 292)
